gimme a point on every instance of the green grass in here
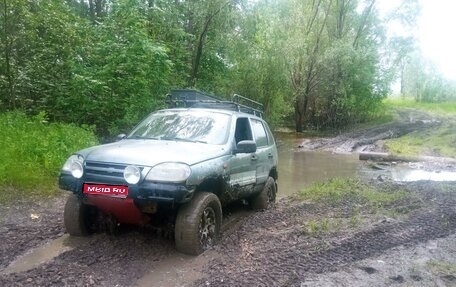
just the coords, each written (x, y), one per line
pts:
(442, 267)
(354, 199)
(445, 108)
(434, 142)
(439, 141)
(339, 191)
(33, 151)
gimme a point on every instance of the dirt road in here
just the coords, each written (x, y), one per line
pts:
(409, 242)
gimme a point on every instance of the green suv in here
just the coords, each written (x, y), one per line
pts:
(177, 167)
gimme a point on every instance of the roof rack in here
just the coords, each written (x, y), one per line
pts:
(195, 99)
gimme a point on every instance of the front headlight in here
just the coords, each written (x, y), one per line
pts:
(74, 165)
(169, 171)
(132, 174)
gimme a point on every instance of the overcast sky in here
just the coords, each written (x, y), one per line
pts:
(436, 32)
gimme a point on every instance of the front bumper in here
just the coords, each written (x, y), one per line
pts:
(142, 192)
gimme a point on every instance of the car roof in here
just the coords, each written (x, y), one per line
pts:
(188, 98)
(221, 111)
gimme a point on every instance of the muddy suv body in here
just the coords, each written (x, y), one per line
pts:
(179, 165)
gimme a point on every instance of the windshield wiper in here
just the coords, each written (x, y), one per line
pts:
(181, 140)
(137, 137)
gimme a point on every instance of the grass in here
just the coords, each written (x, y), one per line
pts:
(33, 151)
(444, 109)
(434, 142)
(439, 141)
(442, 267)
(340, 191)
(354, 197)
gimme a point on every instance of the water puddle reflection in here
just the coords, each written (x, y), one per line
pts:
(43, 254)
(299, 169)
(401, 173)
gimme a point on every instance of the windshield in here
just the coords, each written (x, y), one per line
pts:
(192, 126)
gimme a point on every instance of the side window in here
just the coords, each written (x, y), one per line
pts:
(270, 137)
(243, 131)
(260, 134)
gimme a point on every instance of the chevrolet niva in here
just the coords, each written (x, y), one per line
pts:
(179, 166)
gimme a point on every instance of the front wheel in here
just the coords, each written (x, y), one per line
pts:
(263, 200)
(78, 217)
(198, 224)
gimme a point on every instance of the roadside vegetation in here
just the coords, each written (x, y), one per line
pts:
(438, 141)
(349, 200)
(313, 64)
(343, 190)
(33, 151)
(447, 108)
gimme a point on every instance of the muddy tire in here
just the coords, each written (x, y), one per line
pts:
(263, 200)
(198, 224)
(77, 217)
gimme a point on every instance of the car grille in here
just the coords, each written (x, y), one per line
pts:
(104, 170)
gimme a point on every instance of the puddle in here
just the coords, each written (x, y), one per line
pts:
(43, 254)
(299, 169)
(401, 173)
(178, 270)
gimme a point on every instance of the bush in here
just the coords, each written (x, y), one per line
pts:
(33, 151)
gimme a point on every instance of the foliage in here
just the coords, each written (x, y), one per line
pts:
(109, 63)
(421, 80)
(33, 150)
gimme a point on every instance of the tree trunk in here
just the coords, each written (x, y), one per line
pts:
(298, 119)
(198, 54)
(402, 80)
(99, 7)
(9, 97)
(201, 41)
(92, 10)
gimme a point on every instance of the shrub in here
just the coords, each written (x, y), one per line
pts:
(33, 150)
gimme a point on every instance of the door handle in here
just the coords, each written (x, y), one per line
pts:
(254, 157)
(270, 155)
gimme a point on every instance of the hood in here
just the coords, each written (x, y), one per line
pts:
(146, 152)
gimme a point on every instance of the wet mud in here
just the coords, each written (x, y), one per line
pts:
(369, 139)
(271, 249)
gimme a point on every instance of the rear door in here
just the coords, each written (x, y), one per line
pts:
(264, 154)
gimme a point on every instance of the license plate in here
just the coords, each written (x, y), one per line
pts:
(104, 189)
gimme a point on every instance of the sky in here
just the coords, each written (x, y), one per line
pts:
(437, 26)
(435, 31)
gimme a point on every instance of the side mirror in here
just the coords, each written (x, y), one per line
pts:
(246, 147)
(120, 137)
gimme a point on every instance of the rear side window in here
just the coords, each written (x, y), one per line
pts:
(260, 133)
(270, 137)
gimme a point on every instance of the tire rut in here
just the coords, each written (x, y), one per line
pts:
(276, 264)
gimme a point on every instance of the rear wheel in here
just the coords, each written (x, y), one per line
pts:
(267, 196)
(198, 224)
(78, 217)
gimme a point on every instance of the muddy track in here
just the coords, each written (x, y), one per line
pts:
(271, 248)
(273, 261)
(405, 122)
(99, 260)
(26, 224)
